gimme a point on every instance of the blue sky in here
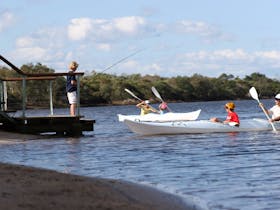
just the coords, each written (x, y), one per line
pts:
(165, 38)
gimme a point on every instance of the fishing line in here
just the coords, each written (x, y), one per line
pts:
(121, 60)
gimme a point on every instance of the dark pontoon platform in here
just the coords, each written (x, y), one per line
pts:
(59, 124)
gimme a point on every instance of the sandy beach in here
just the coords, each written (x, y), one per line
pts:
(25, 187)
(32, 188)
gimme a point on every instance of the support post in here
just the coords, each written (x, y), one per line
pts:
(1, 95)
(78, 95)
(5, 96)
(23, 96)
(51, 98)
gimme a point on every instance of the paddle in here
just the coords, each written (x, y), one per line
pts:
(156, 93)
(133, 95)
(253, 92)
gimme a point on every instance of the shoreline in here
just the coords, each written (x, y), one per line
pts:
(24, 187)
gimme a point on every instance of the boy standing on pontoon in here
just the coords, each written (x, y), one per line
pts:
(71, 87)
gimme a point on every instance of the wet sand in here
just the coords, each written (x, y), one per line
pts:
(31, 188)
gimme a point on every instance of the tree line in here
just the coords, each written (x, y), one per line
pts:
(108, 89)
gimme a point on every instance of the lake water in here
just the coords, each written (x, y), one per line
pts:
(218, 170)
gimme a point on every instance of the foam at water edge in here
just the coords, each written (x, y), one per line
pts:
(191, 201)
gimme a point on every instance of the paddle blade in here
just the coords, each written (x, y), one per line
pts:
(132, 94)
(128, 91)
(253, 92)
(156, 93)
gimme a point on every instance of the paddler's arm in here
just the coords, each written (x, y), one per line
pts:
(275, 119)
(153, 109)
(140, 104)
(265, 109)
(269, 112)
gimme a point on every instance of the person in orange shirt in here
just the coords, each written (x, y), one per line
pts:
(232, 117)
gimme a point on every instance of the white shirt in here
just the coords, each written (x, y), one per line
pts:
(275, 111)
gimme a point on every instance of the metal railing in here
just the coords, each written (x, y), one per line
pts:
(34, 76)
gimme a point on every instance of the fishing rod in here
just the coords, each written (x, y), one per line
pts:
(132, 54)
(121, 60)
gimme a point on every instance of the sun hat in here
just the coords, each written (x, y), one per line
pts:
(230, 105)
(277, 97)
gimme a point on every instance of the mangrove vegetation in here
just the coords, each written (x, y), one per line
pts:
(107, 89)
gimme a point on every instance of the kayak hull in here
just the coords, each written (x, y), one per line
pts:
(199, 126)
(167, 117)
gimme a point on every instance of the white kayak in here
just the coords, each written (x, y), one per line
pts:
(199, 126)
(167, 117)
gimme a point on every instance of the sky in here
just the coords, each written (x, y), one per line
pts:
(154, 37)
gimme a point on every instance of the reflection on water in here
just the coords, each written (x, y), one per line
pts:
(223, 170)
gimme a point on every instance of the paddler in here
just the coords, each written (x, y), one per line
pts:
(162, 107)
(146, 108)
(275, 110)
(232, 117)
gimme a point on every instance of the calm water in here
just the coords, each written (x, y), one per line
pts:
(219, 171)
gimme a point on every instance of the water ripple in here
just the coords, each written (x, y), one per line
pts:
(219, 170)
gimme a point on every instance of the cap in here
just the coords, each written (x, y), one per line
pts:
(147, 102)
(230, 105)
(277, 97)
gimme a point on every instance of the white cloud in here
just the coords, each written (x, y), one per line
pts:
(154, 69)
(79, 28)
(131, 65)
(104, 47)
(209, 63)
(226, 55)
(237, 62)
(101, 30)
(129, 25)
(45, 37)
(135, 67)
(44, 45)
(271, 55)
(197, 27)
(206, 31)
(88, 37)
(31, 54)
(24, 42)
(6, 20)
